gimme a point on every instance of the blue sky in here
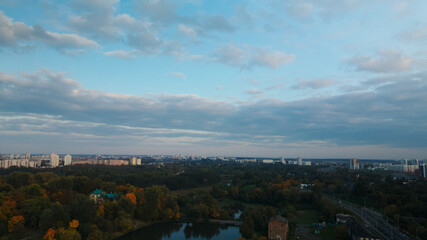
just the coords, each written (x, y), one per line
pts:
(309, 78)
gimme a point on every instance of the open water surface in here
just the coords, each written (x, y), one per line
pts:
(184, 231)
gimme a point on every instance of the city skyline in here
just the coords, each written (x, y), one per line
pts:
(310, 79)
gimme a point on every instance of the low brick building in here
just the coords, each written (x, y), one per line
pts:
(278, 228)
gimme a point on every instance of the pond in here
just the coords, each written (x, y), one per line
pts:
(184, 231)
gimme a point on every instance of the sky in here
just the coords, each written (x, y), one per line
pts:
(273, 78)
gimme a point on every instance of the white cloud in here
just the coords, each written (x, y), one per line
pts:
(307, 9)
(187, 31)
(146, 42)
(246, 57)
(231, 54)
(165, 13)
(254, 91)
(12, 34)
(315, 84)
(179, 75)
(416, 35)
(272, 59)
(99, 20)
(158, 10)
(385, 61)
(216, 23)
(300, 10)
(123, 54)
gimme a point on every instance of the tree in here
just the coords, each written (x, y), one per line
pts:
(82, 209)
(33, 190)
(55, 216)
(125, 223)
(42, 178)
(68, 234)
(7, 208)
(131, 197)
(33, 209)
(74, 224)
(101, 211)
(19, 179)
(83, 185)
(126, 205)
(391, 210)
(50, 234)
(95, 233)
(247, 228)
(14, 222)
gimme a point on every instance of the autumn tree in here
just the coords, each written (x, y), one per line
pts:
(14, 222)
(74, 223)
(68, 234)
(131, 197)
(101, 211)
(50, 234)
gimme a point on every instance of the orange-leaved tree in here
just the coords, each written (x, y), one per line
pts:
(50, 234)
(74, 223)
(132, 197)
(15, 220)
(101, 211)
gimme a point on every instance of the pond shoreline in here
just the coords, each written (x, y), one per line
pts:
(138, 225)
(197, 228)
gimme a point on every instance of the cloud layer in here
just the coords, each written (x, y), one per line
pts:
(385, 62)
(246, 57)
(392, 115)
(18, 34)
(259, 76)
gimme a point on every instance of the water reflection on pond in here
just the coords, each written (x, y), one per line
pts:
(183, 231)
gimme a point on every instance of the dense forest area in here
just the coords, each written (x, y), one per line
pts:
(55, 203)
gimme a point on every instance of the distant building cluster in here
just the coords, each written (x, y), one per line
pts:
(54, 160)
(18, 160)
(405, 166)
(26, 160)
(298, 161)
(400, 168)
(108, 162)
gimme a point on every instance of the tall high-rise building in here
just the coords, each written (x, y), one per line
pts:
(405, 161)
(133, 161)
(300, 161)
(27, 155)
(422, 169)
(54, 160)
(67, 160)
(354, 164)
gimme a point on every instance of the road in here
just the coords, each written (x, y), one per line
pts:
(374, 221)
